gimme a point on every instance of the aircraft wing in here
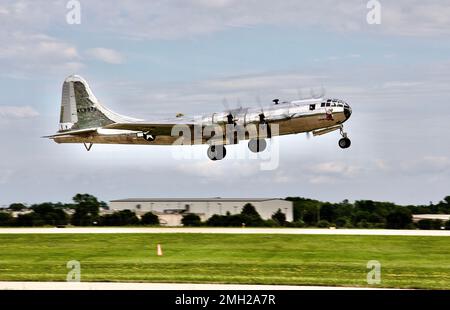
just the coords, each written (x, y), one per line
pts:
(156, 128)
(72, 133)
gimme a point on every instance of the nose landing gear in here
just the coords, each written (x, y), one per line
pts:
(345, 142)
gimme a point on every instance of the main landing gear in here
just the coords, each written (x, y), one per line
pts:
(345, 142)
(257, 145)
(217, 152)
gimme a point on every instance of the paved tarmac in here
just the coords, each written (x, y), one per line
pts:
(209, 230)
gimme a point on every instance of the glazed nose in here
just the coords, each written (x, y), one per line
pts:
(347, 111)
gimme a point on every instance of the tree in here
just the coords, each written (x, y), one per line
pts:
(343, 222)
(328, 211)
(86, 209)
(279, 217)
(305, 209)
(428, 224)
(191, 219)
(17, 207)
(323, 224)
(150, 218)
(5, 219)
(120, 218)
(250, 217)
(50, 214)
(271, 223)
(400, 218)
(447, 200)
(249, 210)
(29, 219)
(218, 220)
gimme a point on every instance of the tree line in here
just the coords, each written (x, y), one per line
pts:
(248, 217)
(367, 214)
(85, 211)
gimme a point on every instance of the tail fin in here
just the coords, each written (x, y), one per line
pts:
(80, 109)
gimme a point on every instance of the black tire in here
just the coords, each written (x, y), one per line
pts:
(216, 152)
(257, 145)
(344, 143)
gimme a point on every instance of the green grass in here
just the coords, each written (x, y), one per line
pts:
(407, 262)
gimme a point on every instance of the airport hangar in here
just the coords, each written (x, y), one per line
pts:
(170, 211)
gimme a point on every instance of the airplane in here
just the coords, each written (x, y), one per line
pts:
(83, 119)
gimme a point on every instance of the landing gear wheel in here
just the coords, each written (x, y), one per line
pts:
(344, 143)
(217, 152)
(257, 145)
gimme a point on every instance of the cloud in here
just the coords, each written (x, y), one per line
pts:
(429, 164)
(332, 172)
(209, 170)
(30, 53)
(5, 175)
(188, 18)
(336, 168)
(8, 112)
(209, 95)
(106, 55)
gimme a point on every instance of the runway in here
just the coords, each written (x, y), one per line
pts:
(160, 286)
(209, 230)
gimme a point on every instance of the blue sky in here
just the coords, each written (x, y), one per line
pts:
(151, 59)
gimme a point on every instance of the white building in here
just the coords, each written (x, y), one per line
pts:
(442, 217)
(170, 210)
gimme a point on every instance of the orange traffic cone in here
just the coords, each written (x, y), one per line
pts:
(159, 250)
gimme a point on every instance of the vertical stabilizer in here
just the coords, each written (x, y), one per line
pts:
(80, 109)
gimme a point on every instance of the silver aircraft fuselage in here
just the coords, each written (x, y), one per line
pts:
(310, 115)
(83, 119)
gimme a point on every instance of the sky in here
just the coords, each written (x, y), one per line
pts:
(151, 59)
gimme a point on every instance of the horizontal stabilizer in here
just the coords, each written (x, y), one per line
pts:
(72, 133)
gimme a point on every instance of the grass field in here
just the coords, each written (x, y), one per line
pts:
(407, 262)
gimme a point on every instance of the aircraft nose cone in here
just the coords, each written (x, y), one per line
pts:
(347, 112)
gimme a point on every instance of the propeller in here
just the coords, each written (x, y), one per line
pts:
(261, 114)
(262, 118)
(238, 103)
(226, 105)
(230, 116)
(231, 112)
